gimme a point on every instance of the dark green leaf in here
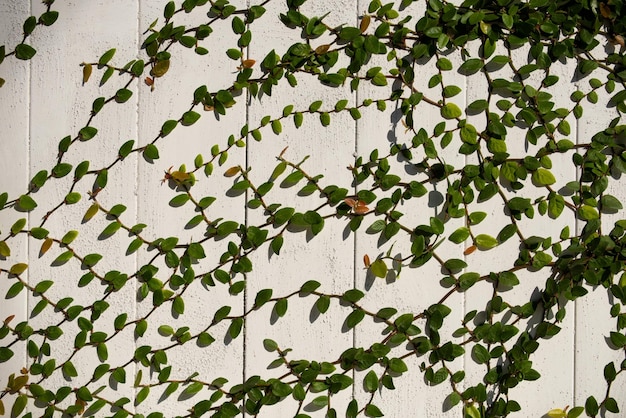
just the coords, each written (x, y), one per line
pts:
(106, 57)
(24, 52)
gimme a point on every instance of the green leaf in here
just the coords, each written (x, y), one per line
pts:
(618, 339)
(460, 235)
(471, 412)
(24, 51)
(39, 233)
(5, 251)
(110, 229)
(142, 395)
(178, 305)
(349, 33)
(556, 204)
(233, 53)
(323, 303)
(227, 227)
(221, 313)
(192, 389)
(166, 330)
(543, 177)
(151, 152)
(610, 204)
(5, 354)
(277, 244)
(575, 412)
(280, 307)
(372, 410)
(455, 264)
(48, 18)
(19, 405)
(508, 279)
(507, 232)
(141, 328)
(235, 327)
(123, 95)
(102, 178)
(370, 382)
(42, 286)
(262, 297)
(91, 260)
(478, 105)
(480, 354)
(354, 318)
(471, 66)
(485, 241)
(309, 287)
(69, 370)
(451, 111)
(169, 10)
(84, 394)
(397, 365)
(14, 290)
(611, 405)
(205, 339)
(591, 406)
(586, 67)
(40, 179)
(610, 372)
(467, 280)
(63, 258)
(277, 127)
(167, 128)
(61, 170)
(270, 345)
(179, 200)
(379, 268)
(119, 375)
(18, 268)
(160, 68)
(87, 133)
(134, 246)
(26, 203)
(189, 118)
(18, 226)
(320, 401)
(137, 68)
(587, 213)
(106, 57)
(81, 170)
(238, 25)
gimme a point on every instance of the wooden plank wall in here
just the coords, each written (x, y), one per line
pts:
(44, 100)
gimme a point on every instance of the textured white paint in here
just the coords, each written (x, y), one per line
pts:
(15, 97)
(43, 100)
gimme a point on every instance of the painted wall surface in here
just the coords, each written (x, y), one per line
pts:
(44, 100)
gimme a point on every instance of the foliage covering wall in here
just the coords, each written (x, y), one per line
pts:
(312, 208)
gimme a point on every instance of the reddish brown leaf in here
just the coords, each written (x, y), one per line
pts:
(469, 250)
(232, 171)
(365, 23)
(45, 246)
(248, 63)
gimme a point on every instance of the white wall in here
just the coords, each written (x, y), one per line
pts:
(43, 100)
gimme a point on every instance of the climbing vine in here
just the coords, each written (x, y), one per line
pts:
(544, 66)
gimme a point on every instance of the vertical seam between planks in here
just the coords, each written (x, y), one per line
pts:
(136, 191)
(466, 86)
(355, 239)
(29, 86)
(244, 354)
(576, 228)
